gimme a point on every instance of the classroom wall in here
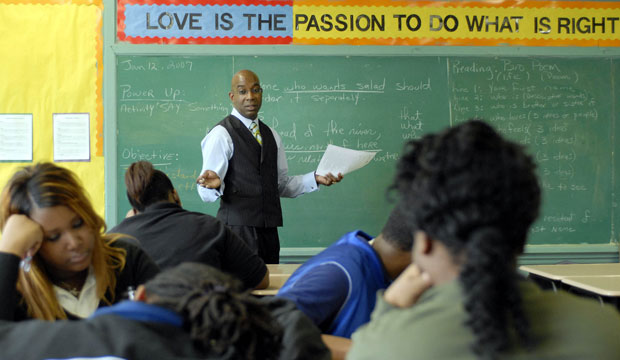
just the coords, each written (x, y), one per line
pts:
(542, 253)
(48, 64)
(42, 79)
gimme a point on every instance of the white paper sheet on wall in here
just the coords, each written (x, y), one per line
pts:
(16, 137)
(72, 137)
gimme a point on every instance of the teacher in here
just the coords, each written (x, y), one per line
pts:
(244, 165)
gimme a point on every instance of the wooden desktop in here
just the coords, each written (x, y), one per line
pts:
(278, 274)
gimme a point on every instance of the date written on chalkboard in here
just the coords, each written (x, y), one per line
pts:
(131, 65)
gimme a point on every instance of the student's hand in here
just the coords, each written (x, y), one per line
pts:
(338, 346)
(209, 180)
(21, 236)
(328, 179)
(407, 288)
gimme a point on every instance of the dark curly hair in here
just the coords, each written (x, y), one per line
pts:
(223, 320)
(478, 194)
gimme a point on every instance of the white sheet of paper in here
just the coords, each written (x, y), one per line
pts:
(72, 137)
(337, 159)
(16, 137)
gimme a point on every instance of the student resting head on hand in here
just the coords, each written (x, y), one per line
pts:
(472, 196)
(72, 267)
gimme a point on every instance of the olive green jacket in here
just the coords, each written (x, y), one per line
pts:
(565, 326)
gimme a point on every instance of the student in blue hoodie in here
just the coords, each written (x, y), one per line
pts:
(337, 287)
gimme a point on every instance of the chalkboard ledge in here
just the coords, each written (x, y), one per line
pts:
(534, 254)
(578, 253)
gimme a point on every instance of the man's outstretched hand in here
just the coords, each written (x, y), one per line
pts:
(209, 180)
(328, 179)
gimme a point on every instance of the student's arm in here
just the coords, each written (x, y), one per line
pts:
(239, 260)
(20, 236)
(264, 283)
(338, 346)
(407, 288)
(9, 270)
(144, 267)
(139, 268)
(301, 339)
(319, 293)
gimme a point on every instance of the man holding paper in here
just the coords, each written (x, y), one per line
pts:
(244, 165)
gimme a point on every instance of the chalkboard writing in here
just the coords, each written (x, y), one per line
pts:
(557, 107)
(560, 110)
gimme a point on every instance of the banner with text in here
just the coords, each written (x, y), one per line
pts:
(368, 22)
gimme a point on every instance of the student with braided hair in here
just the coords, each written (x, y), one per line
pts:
(172, 235)
(473, 196)
(191, 311)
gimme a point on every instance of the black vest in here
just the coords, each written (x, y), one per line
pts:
(251, 195)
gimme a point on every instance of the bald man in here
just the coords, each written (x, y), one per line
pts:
(244, 165)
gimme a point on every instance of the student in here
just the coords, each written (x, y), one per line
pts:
(171, 235)
(244, 165)
(74, 267)
(337, 288)
(191, 311)
(473, 196)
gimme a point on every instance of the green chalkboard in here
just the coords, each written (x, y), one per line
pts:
(562, 109)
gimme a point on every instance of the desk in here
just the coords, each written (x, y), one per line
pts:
(555, 273)
(560, 271)
(600, 280)
(278, 274)
(607, 285)
(282, 269)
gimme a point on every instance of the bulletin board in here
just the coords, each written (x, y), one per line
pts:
(52, 64)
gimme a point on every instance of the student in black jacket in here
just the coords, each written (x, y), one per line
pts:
(71, 266)
(171, 234)
(191, 311)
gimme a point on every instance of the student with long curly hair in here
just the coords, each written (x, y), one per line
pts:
(75, 268)
(473, 196)
(191, 311)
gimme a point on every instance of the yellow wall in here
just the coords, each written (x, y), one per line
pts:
(48, 64)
